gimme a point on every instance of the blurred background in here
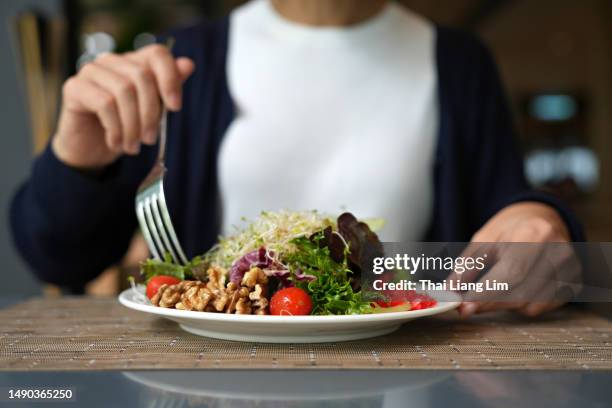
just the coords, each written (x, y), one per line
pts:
(555, 57)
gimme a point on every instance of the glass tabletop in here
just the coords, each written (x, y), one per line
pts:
(316, 388)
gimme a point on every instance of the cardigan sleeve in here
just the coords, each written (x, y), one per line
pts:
(69, 226)
(491, 155)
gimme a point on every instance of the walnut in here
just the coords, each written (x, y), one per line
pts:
(221, 301)
(197, 297)
(167, 296)
(156, 297)
(243, 306)
(248, 297)
(253, 277)
(260, 306)
(259, 300)
(261, 311)
(186, 284)
(236, 296)
(251, 296)
(257, 293)
(216, 279)
(187, 299)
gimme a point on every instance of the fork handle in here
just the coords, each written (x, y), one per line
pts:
(163, 123)
(161, 154)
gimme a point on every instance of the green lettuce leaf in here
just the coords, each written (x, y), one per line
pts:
(156, 267)
(331, 291)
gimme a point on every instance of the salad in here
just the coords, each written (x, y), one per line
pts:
(282, 263)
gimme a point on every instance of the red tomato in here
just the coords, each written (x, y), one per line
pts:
(391, 303)
(417, 300)
(291, 302)
(156, 281)
(421, 301)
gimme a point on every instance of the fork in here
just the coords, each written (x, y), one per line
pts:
(151, 208)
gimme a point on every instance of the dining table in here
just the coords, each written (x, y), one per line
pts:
(108, 355)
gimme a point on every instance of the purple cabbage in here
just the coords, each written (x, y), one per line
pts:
(263, 259)
(258, 258)
(301, 276)
(283, 276)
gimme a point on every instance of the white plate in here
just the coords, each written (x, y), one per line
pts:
(284, 329)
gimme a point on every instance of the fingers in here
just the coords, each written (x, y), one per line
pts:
(169, 73)
(530, 309)
(135, 82)
(540, 277)
(124, 92)
(534, 309)
(146, 91)
(467, 309)
(566, 264)
(512, 269)
(83, 95)
(550, 298)
(536, 293)
(537, 280)
(485, 250)
(514, 265)
(185, 67)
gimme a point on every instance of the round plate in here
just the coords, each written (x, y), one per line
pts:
(284, 329)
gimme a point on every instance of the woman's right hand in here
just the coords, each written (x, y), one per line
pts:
(113, 105)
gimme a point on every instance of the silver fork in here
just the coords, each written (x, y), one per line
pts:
(152, 210)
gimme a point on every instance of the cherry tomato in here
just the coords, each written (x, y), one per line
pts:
(417, 301)
(391, 303)
(291, 302)
(421, 301)
(156, 281)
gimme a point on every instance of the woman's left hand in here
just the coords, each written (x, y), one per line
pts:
(540, 277)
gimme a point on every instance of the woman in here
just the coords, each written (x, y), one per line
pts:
(286, 104)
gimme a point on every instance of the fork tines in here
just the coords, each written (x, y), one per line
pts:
(156, 225)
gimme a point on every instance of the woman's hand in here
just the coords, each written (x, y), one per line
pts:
(113, 105)
(536, 274)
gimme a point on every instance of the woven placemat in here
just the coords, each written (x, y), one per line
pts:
(100, 334)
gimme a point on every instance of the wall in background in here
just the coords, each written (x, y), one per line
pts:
(563, 45)
(550, 46)
(15, 140)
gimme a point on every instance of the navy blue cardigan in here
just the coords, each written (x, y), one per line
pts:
(70, 226)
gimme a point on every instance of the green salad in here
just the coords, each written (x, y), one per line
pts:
(304, 257)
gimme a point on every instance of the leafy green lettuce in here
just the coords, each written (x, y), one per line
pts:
(331, 291)
(155, 267)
